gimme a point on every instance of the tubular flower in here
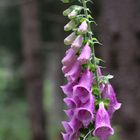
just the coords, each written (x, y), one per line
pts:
(110, 94)
(70, 58)
(85, 55)
(85, 112)
(83, 28)
(83, 89)
(103, 128)
(74, 73)
(77, 44)
(68, 40)
(87, 89)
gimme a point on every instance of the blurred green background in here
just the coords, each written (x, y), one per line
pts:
(31, 49)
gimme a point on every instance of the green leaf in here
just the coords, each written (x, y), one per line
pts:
(95, 90)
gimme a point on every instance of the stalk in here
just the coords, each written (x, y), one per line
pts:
(93, 49)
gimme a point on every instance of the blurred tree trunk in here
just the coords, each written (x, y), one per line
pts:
(34, 67)
(121, 38)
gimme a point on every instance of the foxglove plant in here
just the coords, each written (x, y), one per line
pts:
(90, 98)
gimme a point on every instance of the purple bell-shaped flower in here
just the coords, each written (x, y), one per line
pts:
(77, 44)
(103, 128)
(83, 28)
(85, 112)
(85, 55)
(83, 89)
(68, 88)
(110, 94)
(75, 71)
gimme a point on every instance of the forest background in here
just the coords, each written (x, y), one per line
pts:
(31, 49)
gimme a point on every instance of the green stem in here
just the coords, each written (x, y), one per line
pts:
(93, 49)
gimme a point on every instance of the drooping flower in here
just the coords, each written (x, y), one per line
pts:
(111, 95)
(83, 89)
(74, 73)
(85, 55)
(70, 102)
(103, 128)
(83, 28)
(72, 129)
(69, 58)
(72, 126)
(68, 88)
(76, 45)
(85, 112)
(68, 40)
(69, 113)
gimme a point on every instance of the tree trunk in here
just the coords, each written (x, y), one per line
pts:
(33, 67)
(121, 38)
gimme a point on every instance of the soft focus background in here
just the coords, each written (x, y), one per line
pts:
(31, 49)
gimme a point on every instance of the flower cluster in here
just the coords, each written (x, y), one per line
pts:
(90, 97)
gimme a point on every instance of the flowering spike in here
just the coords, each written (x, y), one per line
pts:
(90, 98)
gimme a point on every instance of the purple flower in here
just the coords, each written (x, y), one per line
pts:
(74, 73)
(69, 113)
(77, 43)
(68, 40)
(72, 129)
(70, 102)
(68, 88)
(85, 55)
(103, 128)
(85, 113)
(73, 136)
(70, 57)
(110, 94)
(65, 136)
(83, 89)
(83, 28)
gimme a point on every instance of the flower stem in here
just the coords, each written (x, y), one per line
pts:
(93, 49)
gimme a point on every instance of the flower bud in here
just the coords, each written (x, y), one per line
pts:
(68, 40)
(66, 12)
(77, 43)
(85, 55)
(72, 15)
(66, 1)
(83, 28)
(69, 26)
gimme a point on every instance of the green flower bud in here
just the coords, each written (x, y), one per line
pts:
(68, 40)
(66, 1)
(69, 26)
(67, 12)
(72, 15)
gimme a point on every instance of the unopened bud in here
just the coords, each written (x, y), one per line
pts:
(69, 26)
